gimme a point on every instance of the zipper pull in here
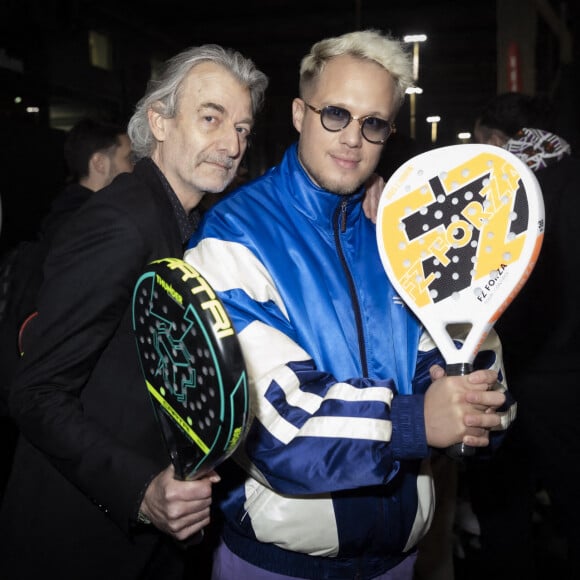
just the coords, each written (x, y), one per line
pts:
(343, 216)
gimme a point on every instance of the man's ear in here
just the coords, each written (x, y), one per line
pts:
(99, 163)
(298, 109)
(157, 122)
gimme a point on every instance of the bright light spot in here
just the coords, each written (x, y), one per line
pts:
(415, 38)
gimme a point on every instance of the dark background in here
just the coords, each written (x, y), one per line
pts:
(45, 63)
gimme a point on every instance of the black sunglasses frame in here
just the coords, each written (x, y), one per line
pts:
(360, 120)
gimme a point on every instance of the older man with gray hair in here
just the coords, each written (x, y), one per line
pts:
(92, 494)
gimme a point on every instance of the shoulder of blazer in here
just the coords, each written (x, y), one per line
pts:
(143, 194)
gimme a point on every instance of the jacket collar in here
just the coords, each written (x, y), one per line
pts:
(187, 223)
(309, 199)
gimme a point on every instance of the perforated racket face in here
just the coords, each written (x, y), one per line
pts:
(459, 230)
(192, 364)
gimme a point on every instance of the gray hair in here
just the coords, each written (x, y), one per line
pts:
(163, 93)
(386, 51)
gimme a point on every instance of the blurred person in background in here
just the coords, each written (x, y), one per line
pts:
(95, 153)
(540, 334)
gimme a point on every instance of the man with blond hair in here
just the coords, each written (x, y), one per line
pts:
(347, 393)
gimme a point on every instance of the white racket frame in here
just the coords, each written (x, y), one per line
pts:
(502, 261)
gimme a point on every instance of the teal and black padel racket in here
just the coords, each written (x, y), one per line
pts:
(192, 364)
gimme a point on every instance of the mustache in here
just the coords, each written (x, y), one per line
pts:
(222, 160)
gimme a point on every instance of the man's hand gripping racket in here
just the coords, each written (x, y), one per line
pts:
(192, 364)
(459, 230)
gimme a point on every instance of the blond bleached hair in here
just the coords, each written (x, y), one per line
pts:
(387, 51)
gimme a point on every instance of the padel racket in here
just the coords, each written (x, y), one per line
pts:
(192, 364)
(459, 230)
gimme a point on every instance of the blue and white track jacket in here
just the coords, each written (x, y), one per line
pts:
(334, 481)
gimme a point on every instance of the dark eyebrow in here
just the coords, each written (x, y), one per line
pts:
(215, 106)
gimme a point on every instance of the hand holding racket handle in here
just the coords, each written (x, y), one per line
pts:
(178, 508)
(459, 230)
(459, 449)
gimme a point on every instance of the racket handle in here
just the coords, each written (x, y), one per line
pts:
(196, 538)
(459, 450)
(459, 369)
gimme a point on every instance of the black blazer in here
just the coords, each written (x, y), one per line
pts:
(90, 444)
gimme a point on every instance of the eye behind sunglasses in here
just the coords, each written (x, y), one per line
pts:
(373, 129)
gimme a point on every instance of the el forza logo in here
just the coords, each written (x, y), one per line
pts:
(494, 281)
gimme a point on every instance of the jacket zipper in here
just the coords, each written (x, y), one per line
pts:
(339, 226)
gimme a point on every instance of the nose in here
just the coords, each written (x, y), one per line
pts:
(351, 135)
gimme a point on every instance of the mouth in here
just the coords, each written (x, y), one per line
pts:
(220, 166)
(345, 162)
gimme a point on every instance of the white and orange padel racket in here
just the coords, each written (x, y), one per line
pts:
(459, 230)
